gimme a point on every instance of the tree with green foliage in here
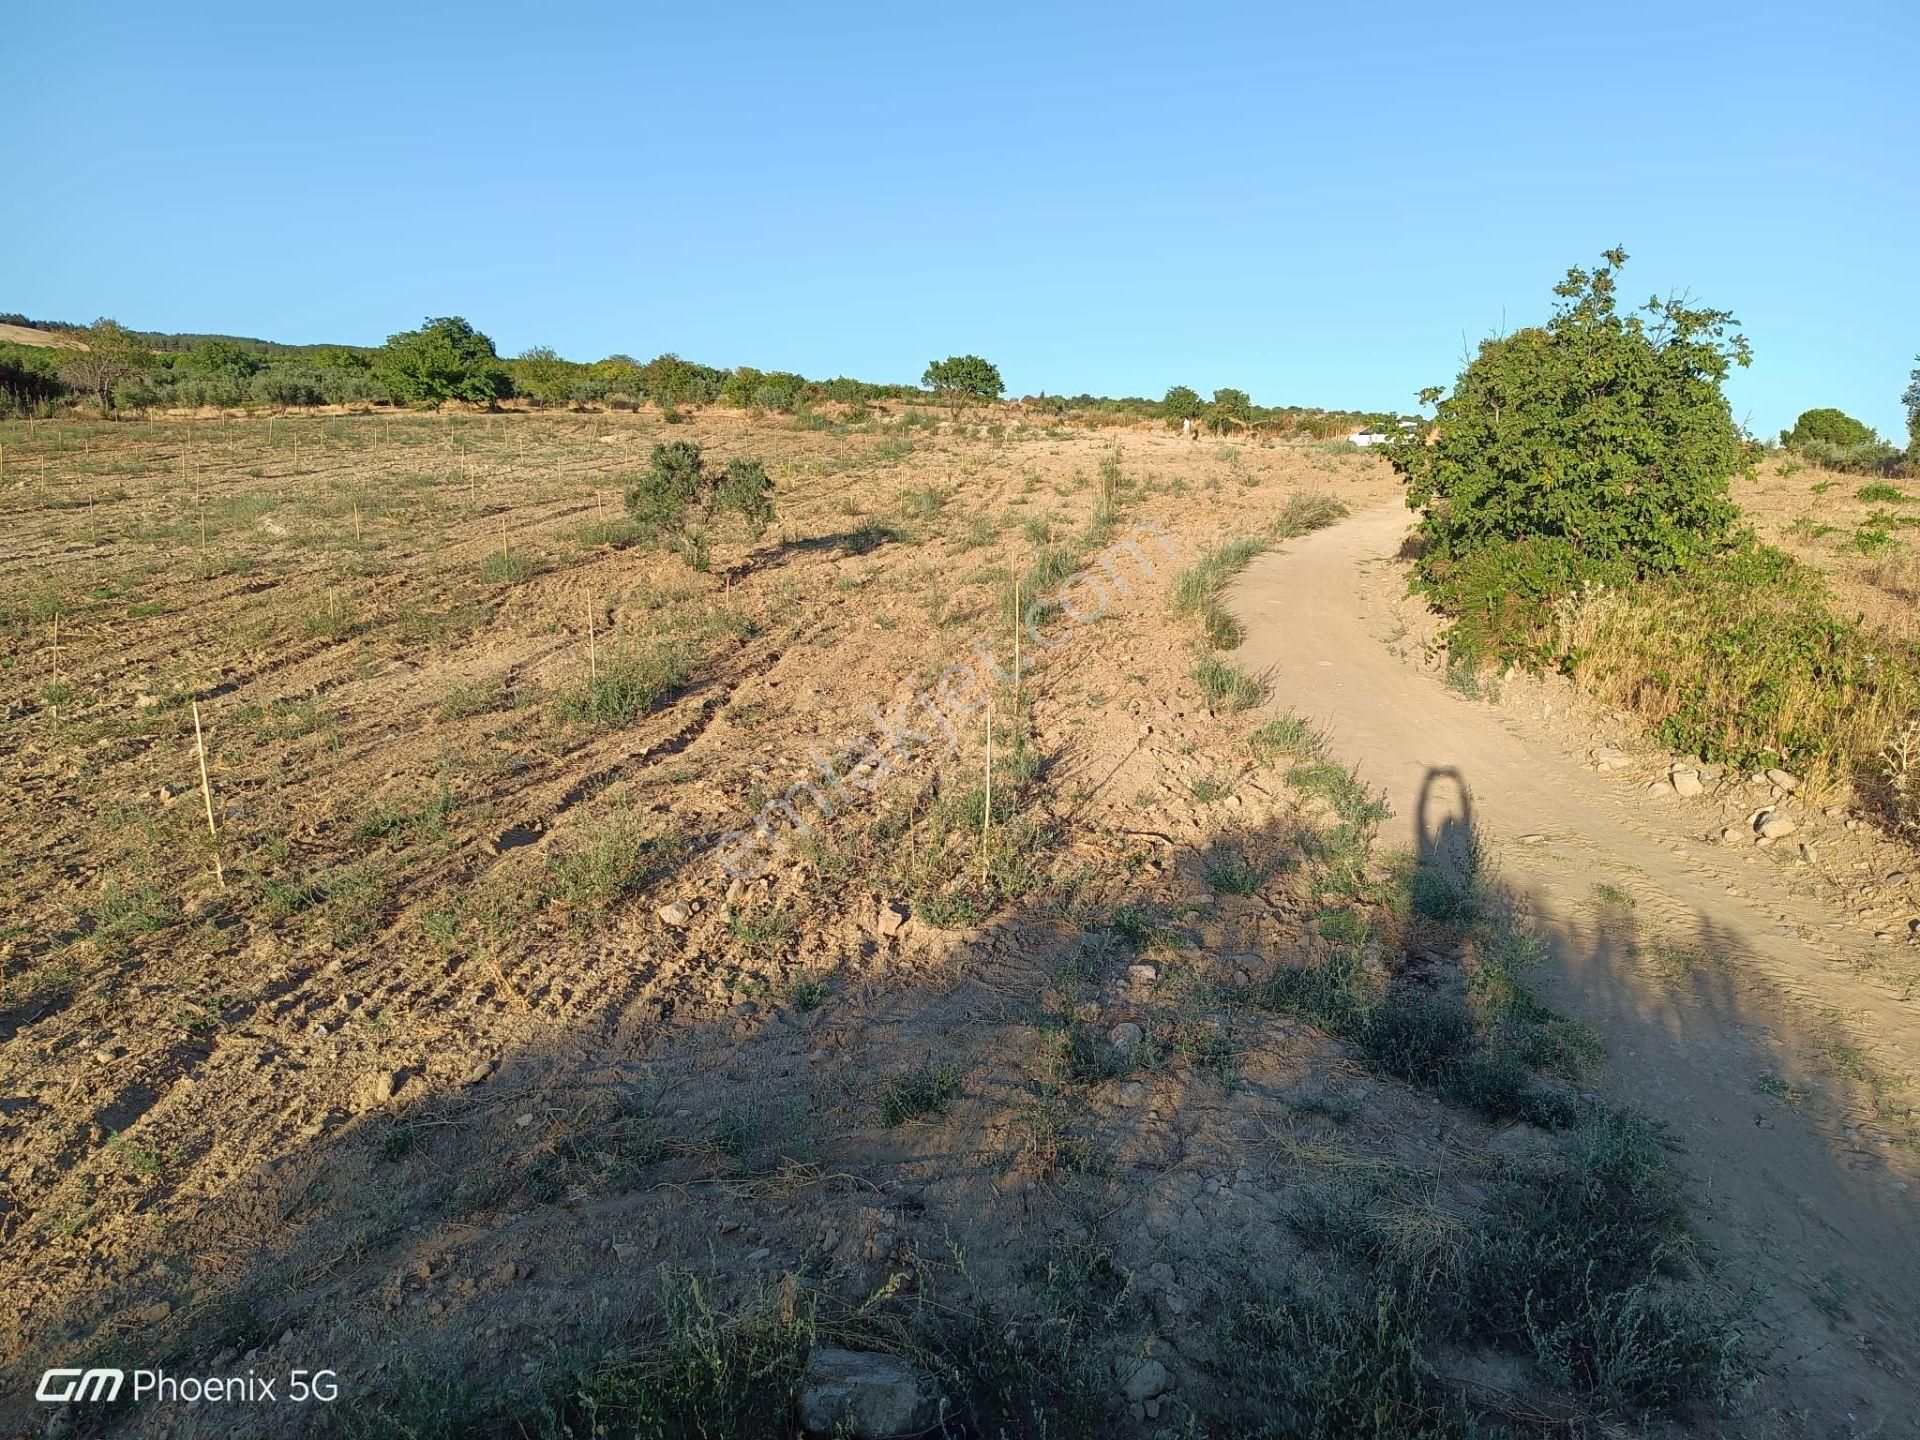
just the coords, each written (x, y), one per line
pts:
(1182, 402)
(113, 354)
(445, 359)
(29, 378)
(224, 359)
(1595, 448)
(1229, 410)
(679, 493)
(1603, 433)
(672, 382)
(960, 378)
(1911, 399)
(542, 376)
(1827, 426)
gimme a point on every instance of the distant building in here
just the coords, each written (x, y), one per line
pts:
(1374, 435)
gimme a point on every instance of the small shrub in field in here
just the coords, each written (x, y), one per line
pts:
(1225, 686)
(628, 684)
(915, 1094)
(678, 489)
(600, 863)
(1312, 1364)
(1287, 735)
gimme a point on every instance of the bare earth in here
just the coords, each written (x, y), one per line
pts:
(470, 1047)
(1704, 967)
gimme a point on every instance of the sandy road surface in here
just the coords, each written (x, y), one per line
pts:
(1704, 972)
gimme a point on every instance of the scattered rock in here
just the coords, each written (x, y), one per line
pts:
(677, 914)
(1124, 1036)
(1141, 975)
(1786, 780)
(378, 1087)
(1733, 835)
(1607, 757)
(1149, 1378)
(866, 1395)
(144, 701)
(1134, 1094)
(1776, 827)
(1659, 787)
(1687, 784)
(892, 918)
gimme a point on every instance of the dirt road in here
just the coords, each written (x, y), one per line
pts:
(1736, 1007)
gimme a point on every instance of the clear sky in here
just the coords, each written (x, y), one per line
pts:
(1320, 205)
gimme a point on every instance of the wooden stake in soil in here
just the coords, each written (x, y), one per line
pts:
(1016, 636)
(986, 811)
(206, 794)
(53, 708)
(593, 657)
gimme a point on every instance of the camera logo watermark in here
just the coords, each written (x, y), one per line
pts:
(57, 1387)
(103, 1386)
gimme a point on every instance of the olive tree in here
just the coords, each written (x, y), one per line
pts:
(963, 377)
(112, 354)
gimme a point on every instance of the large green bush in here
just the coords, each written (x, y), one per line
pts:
(1605, 433)
(29, 379)
(445, 359)
(1828, 427)
(963, 377)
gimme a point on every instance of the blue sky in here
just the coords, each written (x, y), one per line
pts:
(1315, 205)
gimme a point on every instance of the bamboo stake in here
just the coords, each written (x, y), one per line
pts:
(206, 794)
(1016, 635)
(986, 812)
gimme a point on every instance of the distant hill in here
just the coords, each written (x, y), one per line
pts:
(28, 335)
(19, 330)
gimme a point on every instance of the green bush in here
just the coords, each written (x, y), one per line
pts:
(678, 489)
(1182, 402)
(445, 359)
(1605, 435)
(1827, 427)
(1872, 456)
(963, 377)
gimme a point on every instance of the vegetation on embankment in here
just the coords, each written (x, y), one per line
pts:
(1576, 487)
